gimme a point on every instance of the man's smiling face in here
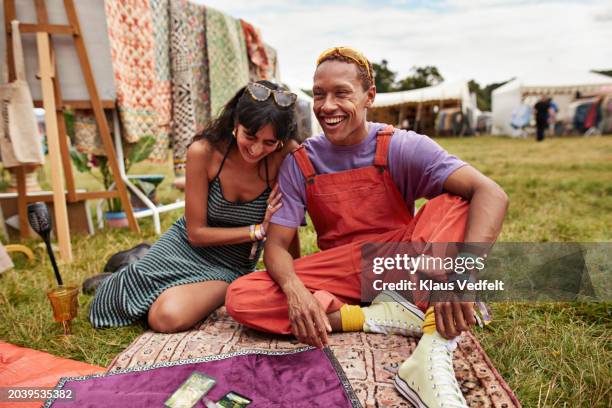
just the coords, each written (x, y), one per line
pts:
(340, 102)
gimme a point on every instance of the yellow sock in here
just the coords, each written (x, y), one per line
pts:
(352, 318)
(429, 324)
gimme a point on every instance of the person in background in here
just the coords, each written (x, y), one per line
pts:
(553, 110)
(230, 198)
(540, 111)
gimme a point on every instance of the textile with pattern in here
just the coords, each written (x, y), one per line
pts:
(227, 57)
(139, 40)
(258, 59)
(190, 86)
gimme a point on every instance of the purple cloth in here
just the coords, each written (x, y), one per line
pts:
(310, 378)
(418, 165)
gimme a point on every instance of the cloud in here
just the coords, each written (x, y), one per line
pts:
(490, 41)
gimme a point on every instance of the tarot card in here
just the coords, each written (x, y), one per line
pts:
(190, 391)
(233, 400)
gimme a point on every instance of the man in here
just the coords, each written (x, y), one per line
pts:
(540, 111)
(358, 181)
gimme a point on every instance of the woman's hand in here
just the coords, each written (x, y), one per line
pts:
(274, 203)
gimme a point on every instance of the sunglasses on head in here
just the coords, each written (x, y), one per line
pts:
(260, 92)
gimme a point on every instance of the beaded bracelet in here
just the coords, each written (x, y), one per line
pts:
(252, 233)
(260, 234)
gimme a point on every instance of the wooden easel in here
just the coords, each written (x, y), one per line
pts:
(54, 106)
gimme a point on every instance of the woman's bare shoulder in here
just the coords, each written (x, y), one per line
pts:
(201, 148)
(204, 155)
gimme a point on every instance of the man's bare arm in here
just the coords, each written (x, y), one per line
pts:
(309, 322)
(487, 210)
(488, 203)
(277, 256)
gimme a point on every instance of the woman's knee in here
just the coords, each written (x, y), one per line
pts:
(165, 317)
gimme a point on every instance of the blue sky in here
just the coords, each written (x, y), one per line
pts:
(489, 41)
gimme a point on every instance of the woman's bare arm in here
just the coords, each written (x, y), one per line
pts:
(199, 156)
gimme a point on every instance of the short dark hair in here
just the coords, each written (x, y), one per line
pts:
(366, 82)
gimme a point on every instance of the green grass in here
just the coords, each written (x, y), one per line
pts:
(550, 354)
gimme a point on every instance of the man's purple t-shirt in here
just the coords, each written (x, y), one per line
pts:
(418, 165)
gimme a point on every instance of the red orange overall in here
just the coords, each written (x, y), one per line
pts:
(348, 209)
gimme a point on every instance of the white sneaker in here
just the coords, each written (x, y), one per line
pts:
(427, 378)
(390, 313)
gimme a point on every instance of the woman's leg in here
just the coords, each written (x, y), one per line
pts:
(180, 307)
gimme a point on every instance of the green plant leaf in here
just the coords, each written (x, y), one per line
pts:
(80, 160)
(140, 151)
(69, 120)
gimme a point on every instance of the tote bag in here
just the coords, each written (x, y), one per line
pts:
(19, 137)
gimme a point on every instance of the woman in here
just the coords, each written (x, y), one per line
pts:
(231, 168)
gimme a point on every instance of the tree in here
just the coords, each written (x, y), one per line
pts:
(483, 95)
(607, 72)
(384, 78)
(421, 77)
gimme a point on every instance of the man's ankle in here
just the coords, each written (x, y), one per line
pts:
(335, 320)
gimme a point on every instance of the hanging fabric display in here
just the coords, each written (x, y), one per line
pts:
(606, 115)
(190, 86)
(176, 64)
(139, 39)
(273, 72)
(86, 134)
(19, 136)
(258, 59)
(227, 57)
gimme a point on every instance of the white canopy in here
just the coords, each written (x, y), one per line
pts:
(445, 90)
(559, 84)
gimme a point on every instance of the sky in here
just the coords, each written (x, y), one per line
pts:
(489, 41)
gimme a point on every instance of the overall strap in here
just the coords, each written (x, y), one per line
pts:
(304, 163)
(383, 139)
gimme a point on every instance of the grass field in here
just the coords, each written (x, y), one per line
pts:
(550, 354)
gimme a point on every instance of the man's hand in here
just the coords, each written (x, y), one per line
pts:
(452, 318)
(309, 322)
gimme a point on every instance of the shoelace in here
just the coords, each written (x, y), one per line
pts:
(443, 374)
(403, 327)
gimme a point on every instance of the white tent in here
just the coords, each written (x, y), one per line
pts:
(305, 101)
(560, 85)
(446, 90)
(421, 105)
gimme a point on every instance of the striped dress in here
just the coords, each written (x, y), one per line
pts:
(126, 296)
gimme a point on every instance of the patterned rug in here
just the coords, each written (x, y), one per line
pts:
(138, 32)
(227, 58)
(369, 361)
(190, 85)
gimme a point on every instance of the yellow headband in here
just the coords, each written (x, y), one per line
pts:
(350, 53)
